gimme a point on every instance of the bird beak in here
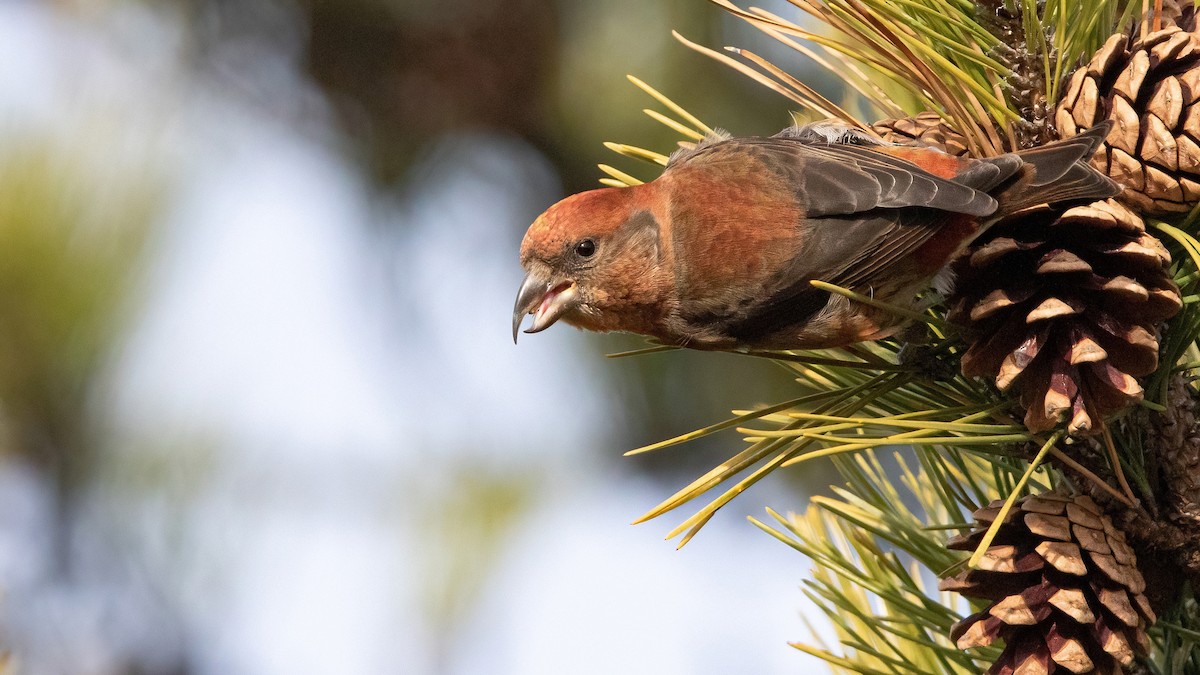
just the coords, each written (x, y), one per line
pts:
(546, 301)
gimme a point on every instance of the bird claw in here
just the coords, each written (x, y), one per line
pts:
(927, 360)
(918, 352)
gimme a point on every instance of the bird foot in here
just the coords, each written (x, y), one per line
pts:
(917, 352)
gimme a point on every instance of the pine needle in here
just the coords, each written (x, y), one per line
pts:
(637, 153)
(702, 128)
(870, 541)
(994, 528)
(656, 349)
(623, 179)
(673, 125)
(887, 306)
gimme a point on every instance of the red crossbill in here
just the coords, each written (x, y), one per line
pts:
(719, 251)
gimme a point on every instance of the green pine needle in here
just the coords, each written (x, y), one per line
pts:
(877, 543)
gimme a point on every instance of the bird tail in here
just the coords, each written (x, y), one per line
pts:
(1053, 173)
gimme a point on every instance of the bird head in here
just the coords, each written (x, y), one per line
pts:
(586, 260)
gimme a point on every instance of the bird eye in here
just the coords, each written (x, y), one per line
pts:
(585, 248)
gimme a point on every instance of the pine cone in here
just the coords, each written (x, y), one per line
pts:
(1180, 13)
(1150, 87)
(925, 128)
(1063, 587)
(1065, 305)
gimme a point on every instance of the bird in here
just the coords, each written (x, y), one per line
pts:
(720, 252)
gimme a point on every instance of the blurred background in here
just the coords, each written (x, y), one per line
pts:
(260, 411)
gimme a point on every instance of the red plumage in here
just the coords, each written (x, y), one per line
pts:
(720, 251)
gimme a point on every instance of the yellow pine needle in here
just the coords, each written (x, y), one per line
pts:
(1034, 30)
(849, 665)
(851, 73)
(1060, 39)
(819, 102)
(866, 51)
(779, 28)
(691, 119)
(887, 306)
(744, 417)
(762, 19)
(808, 358)
(943, 13)
(613, 182)
(850, 20)
(779, 88)
(645, 350)
(863, 24)
(994, 528)
(871, 352)
(619, 175)
(802, 93)
(779, 418)
(853, 398)
(712, 478)
(1006, 125)
(891, 13)
(1187, 241)
(932, 81)
(871, 390)
(907, 424)
(673, 125)
(694, 524)
(986, 123)
(905, 438)
(830, 452)
(769, 529)
(749, 72)
(885, 419)
(812, 377)
(799, 433)
(637, 153)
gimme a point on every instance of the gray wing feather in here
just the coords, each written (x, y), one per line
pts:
(840, 179)
(913, 185)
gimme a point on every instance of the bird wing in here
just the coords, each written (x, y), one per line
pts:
(858, 214)
(838, 179)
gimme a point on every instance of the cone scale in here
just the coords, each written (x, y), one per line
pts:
(1062, 587)
(1150, 87)
(1062, 307)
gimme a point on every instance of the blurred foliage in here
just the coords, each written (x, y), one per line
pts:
(465, 518)
(399, 73)
(74, 218)
(77, 205)
(402, 73)
(668, 394)
(876, 547)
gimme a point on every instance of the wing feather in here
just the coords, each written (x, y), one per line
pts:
(838, 179)
(859, 213)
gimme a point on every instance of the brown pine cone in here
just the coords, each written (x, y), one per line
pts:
(1180, 13)
(1065, 306)
(1063, 589)
(1150, 88)
(926, 129)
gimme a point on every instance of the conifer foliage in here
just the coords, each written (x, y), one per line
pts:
(1050, 444)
